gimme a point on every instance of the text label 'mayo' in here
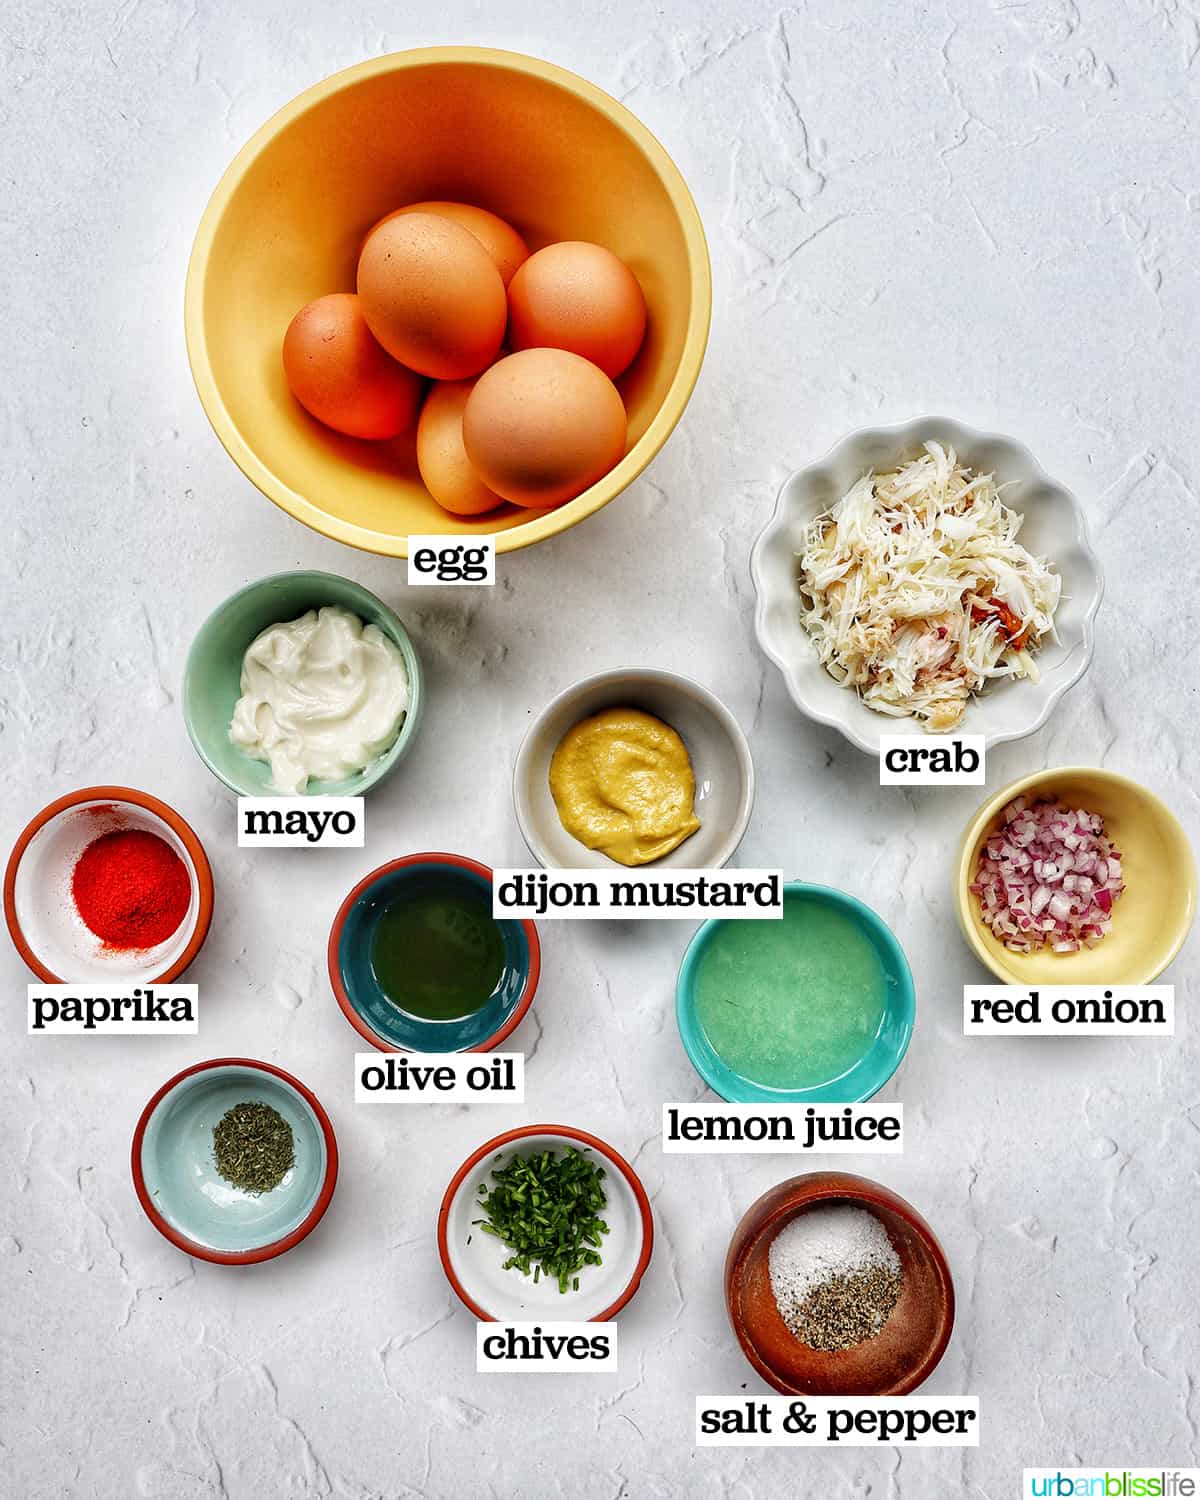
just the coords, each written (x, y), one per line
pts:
(300, 822)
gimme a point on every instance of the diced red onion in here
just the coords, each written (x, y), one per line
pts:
(1048, 877)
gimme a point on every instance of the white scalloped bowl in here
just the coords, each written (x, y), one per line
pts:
(1054, 528)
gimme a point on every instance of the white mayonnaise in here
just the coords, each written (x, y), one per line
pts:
(322, 697)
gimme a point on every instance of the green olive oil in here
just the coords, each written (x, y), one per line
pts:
(437, 951)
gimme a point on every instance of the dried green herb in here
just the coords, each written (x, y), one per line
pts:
(253, 1146)
(546, 1208)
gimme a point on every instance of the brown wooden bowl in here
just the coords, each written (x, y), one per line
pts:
(912, 1341)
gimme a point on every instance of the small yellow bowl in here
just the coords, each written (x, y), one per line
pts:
(1150, 919)
(542, 148)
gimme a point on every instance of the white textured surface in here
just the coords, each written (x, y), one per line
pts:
(987, 212)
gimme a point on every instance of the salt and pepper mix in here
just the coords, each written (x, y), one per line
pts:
(835, 1275)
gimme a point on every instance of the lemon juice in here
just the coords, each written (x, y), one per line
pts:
(793, 1003)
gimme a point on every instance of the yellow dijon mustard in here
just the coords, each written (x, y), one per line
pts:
(623, 783)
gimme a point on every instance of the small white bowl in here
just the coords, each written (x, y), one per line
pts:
(1054, 528)
(474, 1260)
(43, 922)
(717, 748)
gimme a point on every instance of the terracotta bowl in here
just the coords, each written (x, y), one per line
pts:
(914, 1337)
(45, 926)
(384, 1022)
(175, 1173)
(474, 1262)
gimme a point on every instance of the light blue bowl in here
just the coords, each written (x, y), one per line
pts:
(872, 1070)
(384, 1024)
(175, 1171)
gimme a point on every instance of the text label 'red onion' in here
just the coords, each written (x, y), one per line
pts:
(603, 894)
(1069, 1009)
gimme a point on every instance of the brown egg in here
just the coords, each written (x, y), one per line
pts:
(499, 239)
(441, 457)
(338, 372)
(543, 425)
(580, 297)
(432, 295)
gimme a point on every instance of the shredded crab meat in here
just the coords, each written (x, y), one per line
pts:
(1048, 877)
(917, 593)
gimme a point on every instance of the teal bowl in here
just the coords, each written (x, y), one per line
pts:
(386, 1025)
(175, 1173)
(884, 1051)
(213, 675)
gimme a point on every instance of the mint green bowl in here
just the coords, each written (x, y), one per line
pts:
(212, 677)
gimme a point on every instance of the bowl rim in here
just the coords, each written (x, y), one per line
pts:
(177, 824)
(807, 1188)
(429, 857)
(662, 677)
(899, 431)
(990, 809)
(386, 763)
(542, 524)
(569, 1133)
(685, 990)
(274, 1247)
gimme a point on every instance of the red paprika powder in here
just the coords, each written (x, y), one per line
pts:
(131, 888)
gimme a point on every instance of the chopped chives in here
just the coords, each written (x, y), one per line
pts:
(546, 1209)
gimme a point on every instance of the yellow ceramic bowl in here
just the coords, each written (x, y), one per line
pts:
(537, 145)
(1150, 919)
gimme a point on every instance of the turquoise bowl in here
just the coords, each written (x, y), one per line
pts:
(384, 1024)
(212, 678)
(872, 1070)
(175, 1173)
